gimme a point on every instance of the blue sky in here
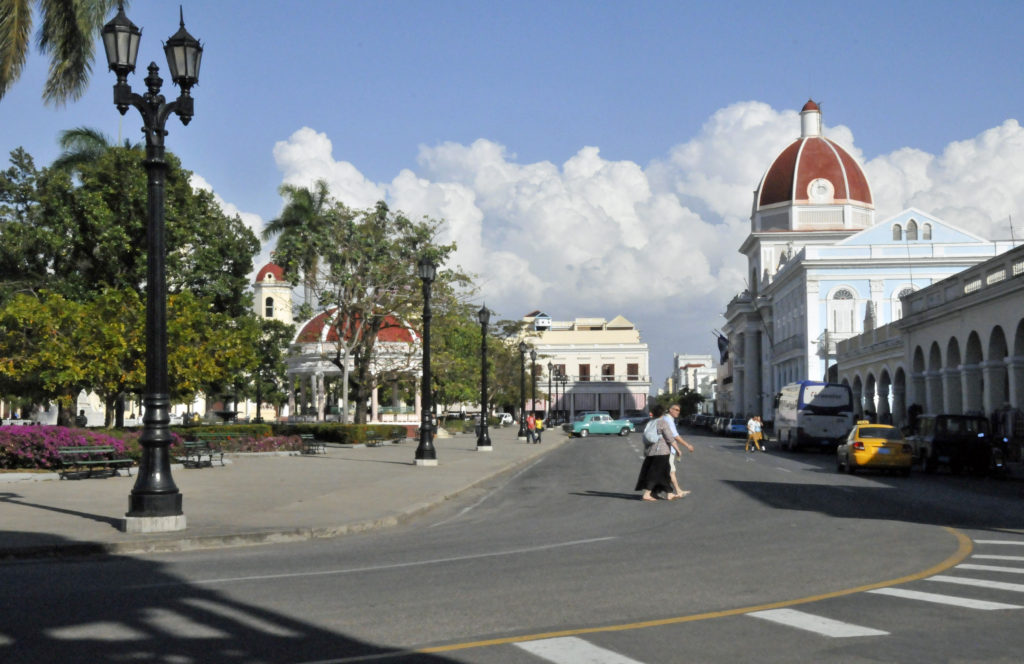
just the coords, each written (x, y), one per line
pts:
(591, 158)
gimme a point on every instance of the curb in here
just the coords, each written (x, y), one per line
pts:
(253, 538)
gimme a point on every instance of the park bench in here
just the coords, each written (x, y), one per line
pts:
(90, 457)
(205, 445)
(310, 445)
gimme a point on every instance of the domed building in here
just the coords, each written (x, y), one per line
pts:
(395, 367)
(822, 269)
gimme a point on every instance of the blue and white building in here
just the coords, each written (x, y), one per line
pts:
(822, 268)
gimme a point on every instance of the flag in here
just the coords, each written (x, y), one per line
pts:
(723, 349)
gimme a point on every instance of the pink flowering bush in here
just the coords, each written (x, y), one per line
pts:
(36, 446)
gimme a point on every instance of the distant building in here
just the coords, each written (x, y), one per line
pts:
(605, 363)
(822, 270)
(698, 373)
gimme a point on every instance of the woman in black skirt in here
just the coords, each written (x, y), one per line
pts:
(654, 478)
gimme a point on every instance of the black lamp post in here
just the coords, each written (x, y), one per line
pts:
(522, 391)
(547, 415)
(483, 439)
(533, 388)
(155, 502)
(426, 455)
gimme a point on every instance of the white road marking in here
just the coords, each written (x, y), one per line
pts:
(964, 602)
(991, 568)
(1009, 542)
(816, 624)
(374, 568)
(465, 510)
(979, 583)
(988, 557)
(573, 650)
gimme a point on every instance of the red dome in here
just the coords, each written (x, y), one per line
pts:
(390, 330)
(812, 158)
(270, 268)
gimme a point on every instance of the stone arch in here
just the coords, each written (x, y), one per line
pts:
(899, 397)
(884, 391)
(972, 380)
(870, 398)
(994, 371)
(918, 391)
(952, 378)
(858, 391)
(934, 379)
(841, 310)
(897, 233)
(911, 230)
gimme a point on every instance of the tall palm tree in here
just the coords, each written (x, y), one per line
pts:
(67, 34)
(84, 145)
(299, 231)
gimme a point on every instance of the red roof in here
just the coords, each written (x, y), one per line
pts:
(391, 329)
(811, 105)
(807, 159)
(270, 268)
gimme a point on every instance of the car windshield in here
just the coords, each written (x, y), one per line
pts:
(885, 433)
(739, 420)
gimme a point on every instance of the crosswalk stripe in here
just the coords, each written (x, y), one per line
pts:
(573, 650)
(1009, 542)
(978, 583)
(991, 568)
(816, 624)
(982, 556)
(964, 602)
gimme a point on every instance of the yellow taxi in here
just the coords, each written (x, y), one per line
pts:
(871, 445)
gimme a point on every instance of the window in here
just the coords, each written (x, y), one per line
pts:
(926, 232)
(607, 372)
(559, 369)
(897, 303)
(897, 232)
(911, 230)
(269, 311)
(840, 311)
(633, 371)
(584, 372)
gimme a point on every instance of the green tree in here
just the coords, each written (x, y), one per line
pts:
(368, 279)
(67, 34)
(301, 230)
(74, 237)
(85, 145)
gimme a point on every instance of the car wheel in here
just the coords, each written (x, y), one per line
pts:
(624, 431)
(584, 433)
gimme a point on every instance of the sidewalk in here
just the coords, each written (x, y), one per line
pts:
(257, 499)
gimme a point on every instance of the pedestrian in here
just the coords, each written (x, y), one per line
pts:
(675, 452)
(759, 433)
(750, 434)
(531, 428)
(655, 479)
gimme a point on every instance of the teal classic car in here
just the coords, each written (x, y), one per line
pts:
(588, 423)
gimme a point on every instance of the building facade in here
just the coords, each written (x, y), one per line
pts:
(822, 269)
(958, 348)
(604, 363)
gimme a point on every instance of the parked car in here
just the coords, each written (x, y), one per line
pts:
(638, 418)
(874, 446)
(960, 442)
(588, 423)
(736, 426)
(506, 418)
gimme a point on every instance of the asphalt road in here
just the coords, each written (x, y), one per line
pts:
(773, 558)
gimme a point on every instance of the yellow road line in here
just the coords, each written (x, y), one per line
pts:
(964, 548)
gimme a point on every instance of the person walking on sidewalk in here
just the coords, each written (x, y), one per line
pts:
(531, 428)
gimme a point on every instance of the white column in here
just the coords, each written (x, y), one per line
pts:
(994, 395)
(971, 380)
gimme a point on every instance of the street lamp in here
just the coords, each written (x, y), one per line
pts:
(547, 415)
(155, 502)
(522, 391)
(483, 439)
(533, 388)
(426, 455)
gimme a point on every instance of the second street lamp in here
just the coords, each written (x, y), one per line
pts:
(483, 439)
(522, 391)
(154, 504)
(533, 390)
(426, 455)
(547, 414)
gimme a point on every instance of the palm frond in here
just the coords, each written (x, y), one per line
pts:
(15, 27)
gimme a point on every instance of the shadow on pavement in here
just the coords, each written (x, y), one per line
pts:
(13, 499)
(126, 609)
